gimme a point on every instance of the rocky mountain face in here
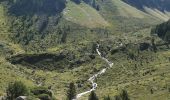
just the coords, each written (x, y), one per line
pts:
(162, 5)
(35, 6)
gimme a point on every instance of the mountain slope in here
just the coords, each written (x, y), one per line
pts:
(157, 8)
(128, 11)
(124, 17)
(161, 5)
(65, 20)
(55, 46)
(84, 15)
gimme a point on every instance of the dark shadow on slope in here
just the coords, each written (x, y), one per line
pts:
(39, 7)
(49, 61)
(39, 61)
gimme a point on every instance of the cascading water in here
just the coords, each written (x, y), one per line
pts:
(91, 79)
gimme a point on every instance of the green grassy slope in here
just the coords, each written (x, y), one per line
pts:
(3, 24)
(125, 18)
(84, 15)
(161, 15)
(138, 77)
(156, 8)
(129, 11)
(82, 28)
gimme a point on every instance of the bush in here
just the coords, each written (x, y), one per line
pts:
(41, 90)
(93, 96)
(15, 90)
(107, 98)
(42, 93)
(123, 96)
(117, 97)
(44, 97)
(162, 30)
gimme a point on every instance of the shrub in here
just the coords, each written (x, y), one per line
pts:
(44, 97)
(42, 93)
(117, 97)
(15, 90)
(107, 98)
(123, 96)
(41, 90)
(93, 96)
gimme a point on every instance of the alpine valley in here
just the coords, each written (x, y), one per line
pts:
(84, 50)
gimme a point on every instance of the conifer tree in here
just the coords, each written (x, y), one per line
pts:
(93, 96)
(117, 97)
(107, 98)
(71, 93)
(124, 95)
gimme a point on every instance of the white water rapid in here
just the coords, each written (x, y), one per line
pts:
(92, 79)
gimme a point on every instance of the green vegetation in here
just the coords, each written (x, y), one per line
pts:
(93, 96)
(52, 48)
(42, 93)
(107, 98)
(124, 95)
(15, 90)
(37, 30)
(163, 31)
(84, 15)
(71, 92)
